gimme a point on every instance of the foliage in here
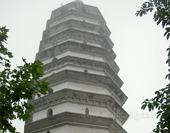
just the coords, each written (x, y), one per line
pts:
(161, 101)
(17, 86)
(161, 14)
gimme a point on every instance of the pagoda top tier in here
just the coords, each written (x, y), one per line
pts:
(79, 6)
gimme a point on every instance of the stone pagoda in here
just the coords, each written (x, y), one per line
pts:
(79, 65)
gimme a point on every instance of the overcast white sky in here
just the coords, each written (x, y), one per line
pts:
(138, 43)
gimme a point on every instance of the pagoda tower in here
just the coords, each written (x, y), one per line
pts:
(79, 65)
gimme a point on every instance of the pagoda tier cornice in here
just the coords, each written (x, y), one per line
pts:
(83, 98)
(82, 63)
(77, 35)
(74, 119)
(71, 34)
(87, 78)
(80, 48)
(77, 24)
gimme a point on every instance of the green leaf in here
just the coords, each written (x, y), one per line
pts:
(164, 23)
(167, 37)
(144, 106)
(158, 22)
(150, 107)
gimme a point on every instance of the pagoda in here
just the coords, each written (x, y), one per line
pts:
(80, 66)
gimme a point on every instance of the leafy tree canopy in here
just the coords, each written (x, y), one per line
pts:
(17, 86)
(161, 15)
(161, 101)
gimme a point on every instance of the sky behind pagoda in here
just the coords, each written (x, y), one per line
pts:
(138, 43)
